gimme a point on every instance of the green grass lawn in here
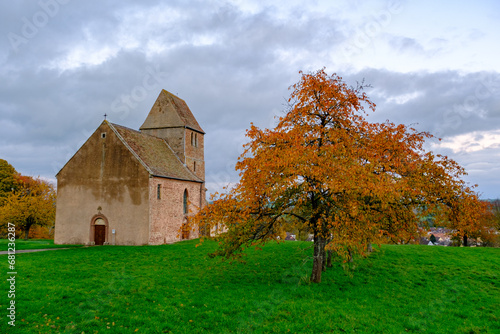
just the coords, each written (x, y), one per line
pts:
(22, 244)
(177, 288)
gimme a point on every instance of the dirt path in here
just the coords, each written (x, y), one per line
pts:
(34, 250)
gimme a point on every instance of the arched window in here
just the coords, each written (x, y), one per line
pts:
(185, 202)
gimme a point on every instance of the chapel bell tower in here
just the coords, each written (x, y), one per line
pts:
(171, 119)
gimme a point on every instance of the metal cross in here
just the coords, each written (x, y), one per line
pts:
(105, 115)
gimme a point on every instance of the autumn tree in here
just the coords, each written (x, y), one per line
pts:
(32, 204)
(495, 208)
(494, 240)
(326, 169)
(8, 180)
(471, 218)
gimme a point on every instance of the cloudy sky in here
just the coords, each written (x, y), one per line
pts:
(65, 63)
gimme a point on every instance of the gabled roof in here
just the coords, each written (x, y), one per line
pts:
(170, 111)
(154, 154)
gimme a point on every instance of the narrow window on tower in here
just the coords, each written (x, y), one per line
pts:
(195, 140)
(158, 191)
(185, 202)
(194, 166)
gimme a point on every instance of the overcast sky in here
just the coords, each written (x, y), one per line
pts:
(64, 64)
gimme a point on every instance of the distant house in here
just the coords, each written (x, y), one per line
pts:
(441, 235)
(128, 187)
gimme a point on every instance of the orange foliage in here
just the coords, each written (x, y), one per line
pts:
(471, 218)
(325, 168)
(31, 205)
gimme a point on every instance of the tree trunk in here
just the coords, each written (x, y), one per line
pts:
(329, 259)
(465, 240)
(28, 223)
(370, 247)
(27, 231)
(350, 255)
(319, 254)
(324, 259)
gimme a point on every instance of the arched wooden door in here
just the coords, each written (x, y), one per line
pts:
(100, 234)
(99, 227)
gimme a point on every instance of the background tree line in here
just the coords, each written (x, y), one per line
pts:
(25, 201)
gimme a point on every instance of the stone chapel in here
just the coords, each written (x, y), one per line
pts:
(128, 187)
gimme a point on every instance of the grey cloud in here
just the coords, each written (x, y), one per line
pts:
(447, 103)
(405, 44)
(240, 75)
(482, 166)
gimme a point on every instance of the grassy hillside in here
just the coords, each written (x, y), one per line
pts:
(177, 288)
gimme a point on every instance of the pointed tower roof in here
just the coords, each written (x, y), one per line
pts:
(169, 111)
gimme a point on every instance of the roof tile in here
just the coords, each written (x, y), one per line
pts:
(155, 154)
